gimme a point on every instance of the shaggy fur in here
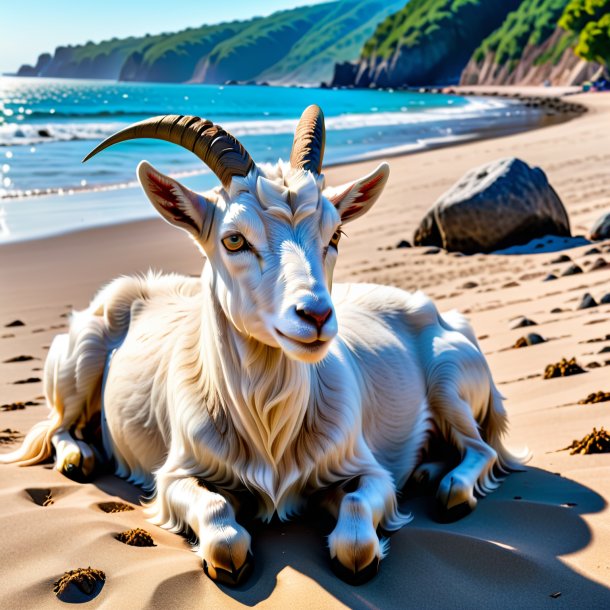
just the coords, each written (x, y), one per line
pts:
(230, 382)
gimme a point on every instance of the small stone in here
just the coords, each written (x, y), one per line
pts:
(587, 302)
(594, 365)
(572, 270)
(432, 251)
(469, 285)
(19, 359)
(562, 258)
(14, 323)
(28, 380)
(604, 350)
(403, 243)
(556, 310)
(530, 339)
(605, 300)
(592, 251)
(522, 322)
(600, 263)
(595, 397)
(550, 277)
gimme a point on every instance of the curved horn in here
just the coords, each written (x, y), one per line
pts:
(217, 148)
(309, 139)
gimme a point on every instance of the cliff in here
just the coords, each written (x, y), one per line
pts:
(297, 46)
(529, 49)
(427, 42)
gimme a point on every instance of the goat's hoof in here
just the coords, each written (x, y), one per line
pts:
(78, 463)
(355, 577)
(455, 513)
(233, 577)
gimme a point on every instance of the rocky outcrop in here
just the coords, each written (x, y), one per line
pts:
(495, 206)
(601, 228)
(428, 42)
(538, 64)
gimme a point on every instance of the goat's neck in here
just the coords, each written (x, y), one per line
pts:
(264, 394)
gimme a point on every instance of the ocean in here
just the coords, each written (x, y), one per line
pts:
(48, 125)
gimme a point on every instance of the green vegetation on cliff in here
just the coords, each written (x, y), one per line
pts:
(299, 45)
(590, 21)
(530, 25)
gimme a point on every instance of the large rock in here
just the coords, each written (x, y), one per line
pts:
(500, 204)
(601, 228)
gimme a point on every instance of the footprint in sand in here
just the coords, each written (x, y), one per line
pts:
(19, 359)
(8, 436)
(47, 496)
(28, 380)
(80, 585)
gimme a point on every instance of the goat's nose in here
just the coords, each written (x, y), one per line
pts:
(316, 313)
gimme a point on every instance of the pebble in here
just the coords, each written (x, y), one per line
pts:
(587, 301)
(403, 243)
(550, 277)
(572, 270)
(600, 263)
(605, 300)
(562, 258)
(521, 322)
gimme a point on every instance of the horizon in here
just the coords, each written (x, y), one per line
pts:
(45, 32)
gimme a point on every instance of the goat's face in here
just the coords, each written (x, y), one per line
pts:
(270, 234)
(272, 242)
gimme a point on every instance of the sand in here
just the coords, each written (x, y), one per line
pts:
(541, 540)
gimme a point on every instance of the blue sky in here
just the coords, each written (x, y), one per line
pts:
(31, 27)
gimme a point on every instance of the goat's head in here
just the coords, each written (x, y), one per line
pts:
(270, 233)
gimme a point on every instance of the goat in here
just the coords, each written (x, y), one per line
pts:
(253, 378)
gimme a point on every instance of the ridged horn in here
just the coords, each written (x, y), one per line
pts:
(309, 140)
(217, 148)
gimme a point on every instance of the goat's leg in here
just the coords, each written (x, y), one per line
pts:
(456, 491)
(224, 545)
(355, 548)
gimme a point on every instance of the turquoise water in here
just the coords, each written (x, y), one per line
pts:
(48, 125)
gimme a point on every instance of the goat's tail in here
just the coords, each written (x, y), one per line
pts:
(74, 370)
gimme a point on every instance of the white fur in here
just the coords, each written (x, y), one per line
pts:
(219, 384)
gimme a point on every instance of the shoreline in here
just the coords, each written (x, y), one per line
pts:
(553, 112)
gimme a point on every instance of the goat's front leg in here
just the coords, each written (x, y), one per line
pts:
(355, 548)
(224, 545)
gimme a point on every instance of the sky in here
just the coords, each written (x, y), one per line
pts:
(31, 27)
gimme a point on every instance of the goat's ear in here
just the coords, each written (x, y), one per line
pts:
(356, 198)
(177, 204)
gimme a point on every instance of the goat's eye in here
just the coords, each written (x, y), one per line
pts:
(334, 241)
(235, 243)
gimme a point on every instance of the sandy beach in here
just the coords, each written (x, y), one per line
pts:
(541, 540)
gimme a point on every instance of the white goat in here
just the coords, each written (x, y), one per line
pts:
(252, 378)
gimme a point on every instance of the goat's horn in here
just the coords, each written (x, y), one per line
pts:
(217, 148)
(309, 139)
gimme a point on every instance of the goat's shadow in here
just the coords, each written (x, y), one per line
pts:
(510, 548)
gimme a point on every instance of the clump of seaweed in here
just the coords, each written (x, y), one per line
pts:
(563, 369)
(86, 579)
(136, 537)
(594, 398)
(115, 507)
(597, 441)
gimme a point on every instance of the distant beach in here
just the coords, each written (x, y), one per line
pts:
(49, 125)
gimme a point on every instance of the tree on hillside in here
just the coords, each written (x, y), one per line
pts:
(590, 19)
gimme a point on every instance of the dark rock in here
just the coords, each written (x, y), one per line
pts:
(562, 258)
(403, 243)
(550, 277)
(592, 251)
(600, 263)
(604, 350)
(522, 322)
(469, 285)
(601, 228)
(529, 339)
(14, 323)
(432, 251)
(572, 270)
(605, 300)
(556, 310)
(495, 206)
(587, 302)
